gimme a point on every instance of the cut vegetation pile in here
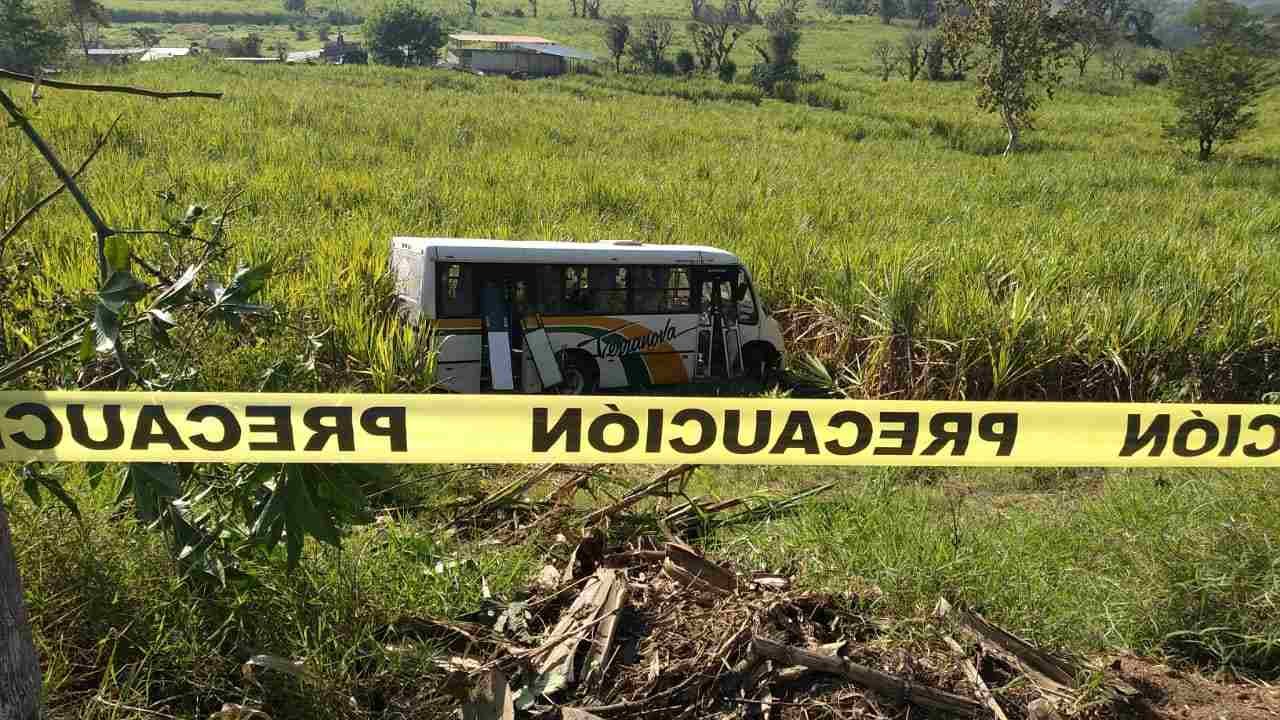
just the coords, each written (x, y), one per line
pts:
(635, 622)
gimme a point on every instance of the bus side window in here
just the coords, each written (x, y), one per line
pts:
(659, 289)
(457, 291)
(575, 297)
(608, 288)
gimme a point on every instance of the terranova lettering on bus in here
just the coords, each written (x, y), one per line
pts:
(615, 345)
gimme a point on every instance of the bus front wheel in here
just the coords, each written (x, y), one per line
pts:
(581, 376)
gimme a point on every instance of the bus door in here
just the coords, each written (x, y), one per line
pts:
(505, 292)
(719, 343)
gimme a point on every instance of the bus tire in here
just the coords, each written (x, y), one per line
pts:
(581, 374)
(761, 362)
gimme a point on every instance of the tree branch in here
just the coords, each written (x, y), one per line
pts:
(123, 89)
(31, 211)
(100, 230)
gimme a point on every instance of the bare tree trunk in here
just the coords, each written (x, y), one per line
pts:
(19, 668)
(1011, 125)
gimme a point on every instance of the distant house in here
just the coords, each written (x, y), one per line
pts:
(114, 56)
(168, 53)
(517, 55)
(305, 56)
(342, 52)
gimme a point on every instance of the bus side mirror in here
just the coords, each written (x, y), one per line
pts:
(739, 293)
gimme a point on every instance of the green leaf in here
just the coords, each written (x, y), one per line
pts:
(95, 472)
(153, 486)
(160, 322)
(117, 250)
(87, 346)
(122, 287)
(106, 327)
(177, 292)
(248, 281)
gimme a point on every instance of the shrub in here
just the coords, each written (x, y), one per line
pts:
(933, 53)
(785, 91)
(300, 34)
(727, 71)
(685, 62)
(323, 33)
(822, 95)
(666, 67)
(1152, 73)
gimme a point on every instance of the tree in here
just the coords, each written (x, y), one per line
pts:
(1222, 21)
(1022, 59)
(573, 7)
(617, 32)
(591, 9)
(1086, 31)
(887, 58)
(87, 18)
(295, 6)
(473, 6)
(533, 8)
(925, 12)
(1214, 90)
(145, 37)
(779, 50)
(888, 10)
(1120, 57)
(403, 33)
(714, 35)
(934, 54)
(912, 55)
(685, 62)
(26, 43)
(648, 43)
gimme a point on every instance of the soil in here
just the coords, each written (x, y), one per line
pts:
(1186, 695)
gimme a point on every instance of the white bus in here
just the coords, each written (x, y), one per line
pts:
(579, 317)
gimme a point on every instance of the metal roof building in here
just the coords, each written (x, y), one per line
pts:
(514, 55)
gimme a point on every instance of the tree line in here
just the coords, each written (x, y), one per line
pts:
(1017, 50)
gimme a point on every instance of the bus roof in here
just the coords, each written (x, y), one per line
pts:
(542, 251)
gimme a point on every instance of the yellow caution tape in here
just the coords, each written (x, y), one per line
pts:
(289, 428)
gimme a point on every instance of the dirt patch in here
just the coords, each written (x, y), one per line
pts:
(1175, 693)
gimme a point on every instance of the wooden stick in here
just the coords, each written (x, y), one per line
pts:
(124, 89)
(888, 685)
(638, 494)
(1056, 670)
(971, 672)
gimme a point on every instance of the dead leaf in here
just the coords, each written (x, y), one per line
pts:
(548, 578)
(273, 662)
(490, 699)
(601, 652)
(692, 568)
(232, 711)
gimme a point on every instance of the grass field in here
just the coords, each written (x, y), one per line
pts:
(1100, 262)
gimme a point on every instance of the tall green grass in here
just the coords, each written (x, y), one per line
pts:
(1100, 262)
